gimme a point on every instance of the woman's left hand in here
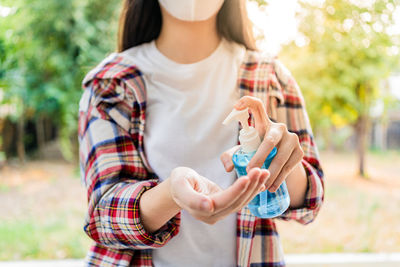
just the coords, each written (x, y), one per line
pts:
(273, 135)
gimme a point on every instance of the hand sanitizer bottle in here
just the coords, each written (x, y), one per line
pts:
(265, 204)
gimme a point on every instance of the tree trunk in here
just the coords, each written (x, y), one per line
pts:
(361, 134)
(48, 129)
(20, 138)
(40, 134)
(2, 123)
(8, 136)
(384, 135)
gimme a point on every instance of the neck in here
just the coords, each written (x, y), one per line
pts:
(187, 42)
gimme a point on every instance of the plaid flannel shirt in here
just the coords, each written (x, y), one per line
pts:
(115, 170)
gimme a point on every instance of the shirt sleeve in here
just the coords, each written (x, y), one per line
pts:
(112, 169)
(293, 113)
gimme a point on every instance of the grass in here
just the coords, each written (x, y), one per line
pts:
(49, 239)
(37, 239)
(4, 188)
(43, 208)
(384, 153)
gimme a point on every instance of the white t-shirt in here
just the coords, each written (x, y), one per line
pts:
(186, 104)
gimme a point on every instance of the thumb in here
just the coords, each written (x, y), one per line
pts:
(226, 158)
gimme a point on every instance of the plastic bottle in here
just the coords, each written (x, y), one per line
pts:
(265, 204)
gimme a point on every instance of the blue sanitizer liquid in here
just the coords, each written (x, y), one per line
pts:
(265, 204)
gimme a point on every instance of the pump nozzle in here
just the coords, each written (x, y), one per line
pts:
(248, 136)
(240, 115)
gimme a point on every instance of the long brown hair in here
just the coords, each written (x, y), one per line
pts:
(140, 22)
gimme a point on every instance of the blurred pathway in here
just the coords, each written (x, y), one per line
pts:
(344, 260)
(37, 263)
(293, 260)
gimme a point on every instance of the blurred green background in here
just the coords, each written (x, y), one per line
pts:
(345, 57)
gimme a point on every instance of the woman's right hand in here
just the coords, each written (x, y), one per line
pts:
(206, 201)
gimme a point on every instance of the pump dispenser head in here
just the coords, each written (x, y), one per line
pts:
(248, 136)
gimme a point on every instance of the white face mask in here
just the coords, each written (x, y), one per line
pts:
(191, 10)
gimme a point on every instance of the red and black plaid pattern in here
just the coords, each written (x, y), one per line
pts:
(115, 171)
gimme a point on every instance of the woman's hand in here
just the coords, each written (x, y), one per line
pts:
(273, 135)
(206, 201)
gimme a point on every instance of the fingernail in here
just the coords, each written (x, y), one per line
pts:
(262, 188)
(205, 205)
(227, 162)
(272, 188)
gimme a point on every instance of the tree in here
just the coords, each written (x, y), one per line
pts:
(347, 48)
(48, 46)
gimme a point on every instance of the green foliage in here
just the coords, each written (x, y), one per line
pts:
(348, 49)
(46, 48)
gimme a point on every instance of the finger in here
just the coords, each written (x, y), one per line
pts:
(206, 217)
(246, 198)
(264, 176)
(286, 148)
(225, 198)
(257, 109)
(226, 158)
(271, 139)
(190, 199)
(255, 105)
(294, 159)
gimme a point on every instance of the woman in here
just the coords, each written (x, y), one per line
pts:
(151, 137)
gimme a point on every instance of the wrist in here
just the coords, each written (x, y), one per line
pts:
(297, 186)
(169, 195)
(157, 206)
